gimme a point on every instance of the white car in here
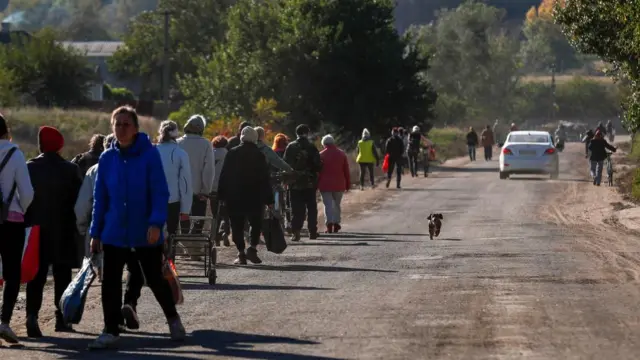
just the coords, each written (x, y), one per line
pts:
(529, 152)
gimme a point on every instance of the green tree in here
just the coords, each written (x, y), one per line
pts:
(46, 71)
(608, 29)
(474, 62)
(336, 63)
(546, 46)
(195, 26)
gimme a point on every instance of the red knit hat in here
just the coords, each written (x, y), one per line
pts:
(50, 139)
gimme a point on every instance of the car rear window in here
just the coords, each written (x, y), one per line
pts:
(526, 138)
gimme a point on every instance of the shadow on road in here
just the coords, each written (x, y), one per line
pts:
(465, 169)
(240, 287)
(528, 178)
(332, 244)
(207, 343)
(314, 268)
(387, 234)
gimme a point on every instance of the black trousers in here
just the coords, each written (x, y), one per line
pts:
(413, 162)
(488, 150)
(224, 228)
(198, 208)
(11, 245)
(151, 262)
(238, 221)
(364, 167)
(397, 164)
(35, 288)
(303, 202)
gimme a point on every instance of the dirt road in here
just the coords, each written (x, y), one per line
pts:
(515, 274)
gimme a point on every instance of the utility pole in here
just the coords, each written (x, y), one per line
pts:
(166, 74)
(553, 93)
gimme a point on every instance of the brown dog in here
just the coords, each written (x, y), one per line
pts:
(435, 224)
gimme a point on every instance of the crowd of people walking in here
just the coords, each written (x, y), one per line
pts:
(122, 200)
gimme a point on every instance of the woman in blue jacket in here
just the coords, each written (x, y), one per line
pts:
(129, 211)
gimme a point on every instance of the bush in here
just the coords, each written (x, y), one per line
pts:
(117, 94)
(635, 185)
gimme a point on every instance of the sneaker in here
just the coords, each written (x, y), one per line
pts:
(130, 317)
(241, 259)
(176, 329)
(295, 236)
(8, 335)
(252, 255)
(104, 341)
(388, 183)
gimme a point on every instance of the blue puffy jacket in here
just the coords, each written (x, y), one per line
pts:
(130, 195)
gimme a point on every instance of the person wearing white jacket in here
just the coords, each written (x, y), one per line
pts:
(17, 194)
(177, 170)
(202, 165)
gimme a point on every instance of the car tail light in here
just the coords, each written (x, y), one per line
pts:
(507, 151)
(550, 151)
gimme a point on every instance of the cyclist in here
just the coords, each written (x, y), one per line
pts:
(560, 136)
(598, 147)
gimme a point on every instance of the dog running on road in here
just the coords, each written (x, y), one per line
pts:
(435, 224)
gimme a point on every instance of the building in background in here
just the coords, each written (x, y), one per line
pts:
(97, 53)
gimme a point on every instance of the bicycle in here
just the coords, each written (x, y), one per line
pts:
(282, 204)
(609, 169)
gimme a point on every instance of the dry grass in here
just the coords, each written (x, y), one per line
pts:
(77, 126)
(560, 79)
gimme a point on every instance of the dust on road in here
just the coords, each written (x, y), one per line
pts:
(515, 274)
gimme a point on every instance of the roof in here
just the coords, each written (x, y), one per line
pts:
(95, 48)
(525, 132)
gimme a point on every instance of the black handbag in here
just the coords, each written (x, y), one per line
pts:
(273, 233)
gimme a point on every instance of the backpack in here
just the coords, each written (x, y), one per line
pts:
(414, 142)
(4, 205)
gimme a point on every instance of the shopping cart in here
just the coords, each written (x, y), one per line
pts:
(201, 242)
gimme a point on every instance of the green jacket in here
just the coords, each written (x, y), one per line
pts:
(272, 158)
(304, 158)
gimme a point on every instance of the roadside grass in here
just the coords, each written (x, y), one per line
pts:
(449, 142)
(77, 126)
(560, 79)
(627, 179)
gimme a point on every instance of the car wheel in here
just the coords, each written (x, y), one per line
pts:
(504, 175)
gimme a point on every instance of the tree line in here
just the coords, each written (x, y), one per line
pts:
(342, 65)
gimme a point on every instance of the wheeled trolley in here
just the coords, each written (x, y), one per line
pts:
(199, 244)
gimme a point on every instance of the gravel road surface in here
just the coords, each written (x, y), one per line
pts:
(503, 281)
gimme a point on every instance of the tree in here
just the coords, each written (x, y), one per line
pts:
(546, 46)
(328, 63)
(195, 27)
(42, 68)
(608, 29)
(474, 62)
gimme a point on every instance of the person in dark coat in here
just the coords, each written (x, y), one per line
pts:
(472, 143)
(91, 157)
(235, 140)
(304, 158)
(245, 188)
(56, 183)
(598, 148)
(394, 147)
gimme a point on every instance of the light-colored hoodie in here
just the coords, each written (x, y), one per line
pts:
(84, 205)
(177, 170)
(218, 154)
(273, 159)
(200, 152)
(15, 172)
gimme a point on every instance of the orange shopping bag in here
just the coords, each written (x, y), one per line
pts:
(385, 164)
(30, 256)
(169, 271)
